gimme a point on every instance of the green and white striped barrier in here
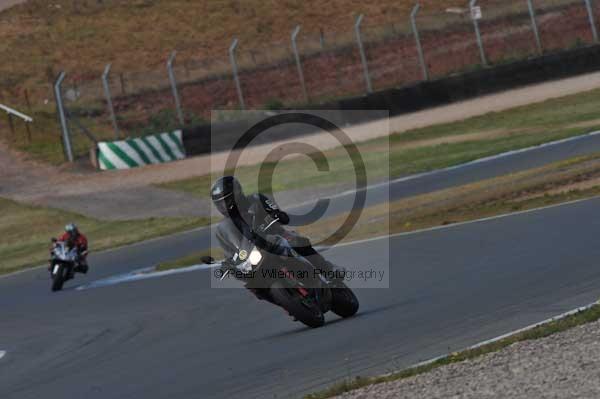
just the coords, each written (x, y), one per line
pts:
(147, 150)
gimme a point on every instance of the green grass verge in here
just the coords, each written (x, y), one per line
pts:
(586, 316)
(190, 260)
(501, 131)
(26, 231)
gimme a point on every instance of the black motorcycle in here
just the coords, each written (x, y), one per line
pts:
(277, 272)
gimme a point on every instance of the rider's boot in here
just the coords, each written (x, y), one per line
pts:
(82, 268)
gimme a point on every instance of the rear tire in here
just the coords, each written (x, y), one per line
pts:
(291, 300)
(58, 279)
(344, 302)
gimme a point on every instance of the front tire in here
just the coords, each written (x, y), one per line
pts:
(303, 309)
(58, 279)
(344, 302)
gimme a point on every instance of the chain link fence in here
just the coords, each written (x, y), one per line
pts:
(309, 67)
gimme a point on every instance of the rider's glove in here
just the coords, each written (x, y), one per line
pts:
(283, 217)
(226, 266)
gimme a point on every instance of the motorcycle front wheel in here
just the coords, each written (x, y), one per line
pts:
(304, 309)
(58, 279)
(344, 303)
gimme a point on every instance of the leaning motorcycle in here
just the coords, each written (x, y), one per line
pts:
(63, 261)
(289, 279)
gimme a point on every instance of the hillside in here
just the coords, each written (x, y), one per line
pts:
(40, 36)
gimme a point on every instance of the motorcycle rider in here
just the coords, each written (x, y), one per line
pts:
(230, 200)
(74, 238)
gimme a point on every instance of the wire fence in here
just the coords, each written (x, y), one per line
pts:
(310, 67)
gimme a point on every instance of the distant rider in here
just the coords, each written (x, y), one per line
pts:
(230, 201)
(74, 238)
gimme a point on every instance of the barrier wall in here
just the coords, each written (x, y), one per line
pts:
(147, 150)
(197, 140)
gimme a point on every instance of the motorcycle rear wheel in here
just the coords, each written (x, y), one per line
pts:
(307, 312)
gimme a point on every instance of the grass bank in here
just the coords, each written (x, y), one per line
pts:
(26, 232)
(430, 148)
(138, 35)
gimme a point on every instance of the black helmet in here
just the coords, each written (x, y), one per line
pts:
(226, 194)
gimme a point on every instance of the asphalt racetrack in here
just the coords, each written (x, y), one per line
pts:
(175, 337)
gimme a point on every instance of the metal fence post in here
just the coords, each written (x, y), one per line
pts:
(298, 63)
(109, 103)
(174, 87)
(12, 125)
(66, 136)
(236, 76)
(363, 56)
(478, 33)
(536, 33)
(413, 21)
(590, 10)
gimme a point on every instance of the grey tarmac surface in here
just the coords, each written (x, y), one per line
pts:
(152, 252)
(176, 337)
(478, 170)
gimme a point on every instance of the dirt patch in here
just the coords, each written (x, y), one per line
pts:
(132, 204)
(5, 4)
(453, 139)
(592, 123)
(16, 170)
(101, 196)
(461, 138)
(584, 183)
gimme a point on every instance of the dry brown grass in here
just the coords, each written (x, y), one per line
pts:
(39, 37)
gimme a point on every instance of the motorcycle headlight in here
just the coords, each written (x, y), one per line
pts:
(255, 257)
